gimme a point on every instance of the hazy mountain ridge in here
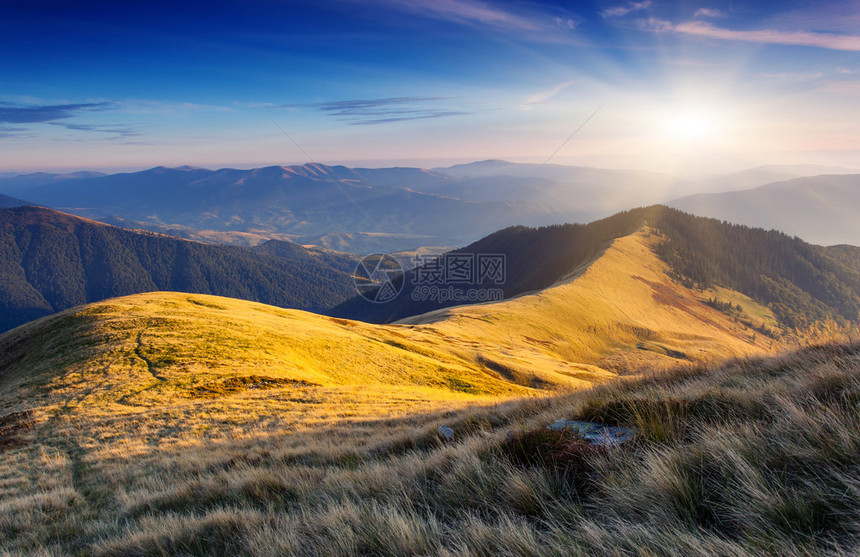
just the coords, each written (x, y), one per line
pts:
(52, 261)
(302, 201)
(7, 202)
(368, 209)
(768, 174)
(819, 209)
(342, 207)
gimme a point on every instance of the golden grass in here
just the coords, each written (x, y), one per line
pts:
(751, 310)
(597, 318)
(755, 457)
(162, 367)
(168, 423)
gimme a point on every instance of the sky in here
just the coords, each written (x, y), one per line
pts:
(678, 87)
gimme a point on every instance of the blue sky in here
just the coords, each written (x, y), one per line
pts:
(677, 86)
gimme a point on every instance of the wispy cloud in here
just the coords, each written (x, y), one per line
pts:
(384, 111)
(654, 24)
(9, 132)
(117, 130)
(846, 88)
(621, 11)
(565, 22)
(470, 12)
(791, 76)
(527, 21)
(142, 106)
(57, 115)
(543, 96)
(38, 114)
(361, 106)
(708, 12)
(404, 118)
(830, 41)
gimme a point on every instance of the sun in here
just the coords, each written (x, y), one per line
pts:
(690, 125)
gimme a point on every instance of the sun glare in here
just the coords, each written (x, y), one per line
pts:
(691, 125)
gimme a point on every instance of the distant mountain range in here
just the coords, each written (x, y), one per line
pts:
(820, 209)
(50, 261)
(367, 210)
(354, 209)
(761, 175)
(281, 202)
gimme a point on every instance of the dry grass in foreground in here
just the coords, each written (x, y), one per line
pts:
(753, 457)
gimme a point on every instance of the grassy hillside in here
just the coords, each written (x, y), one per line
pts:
(620, 311)
(181, 365)
(617, 314)
(754, 457)
(798, 282)
(185, 362)
(173, 423)
(170, 368)
(50, 261)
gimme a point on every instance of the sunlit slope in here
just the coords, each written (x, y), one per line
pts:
(165, 367)
(194, 361)
(621, 312)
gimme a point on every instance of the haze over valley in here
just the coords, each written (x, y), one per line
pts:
(363, 210)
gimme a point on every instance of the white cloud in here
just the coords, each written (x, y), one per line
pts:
(621, 11)
(654, 24)
(562, 22)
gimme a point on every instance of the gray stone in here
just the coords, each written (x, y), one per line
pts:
(597, 434)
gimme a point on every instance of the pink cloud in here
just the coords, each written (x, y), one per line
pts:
(830, 41)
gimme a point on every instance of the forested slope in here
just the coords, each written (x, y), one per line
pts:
(51, 261)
